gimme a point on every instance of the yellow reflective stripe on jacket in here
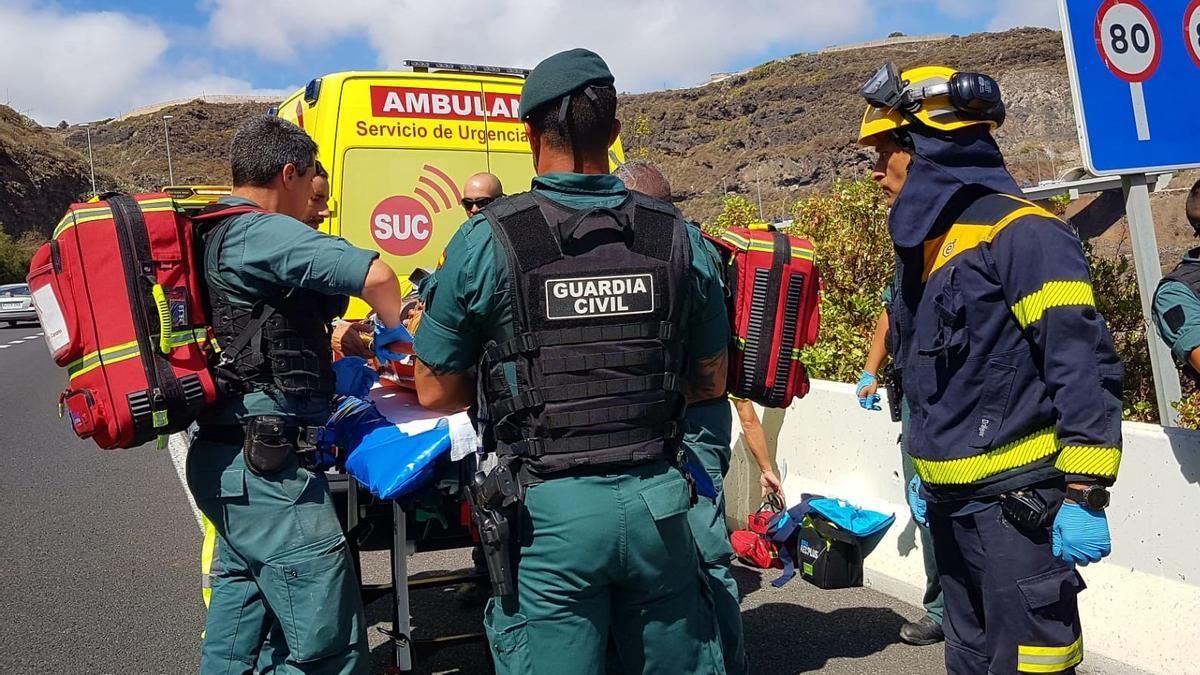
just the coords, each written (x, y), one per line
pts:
(963, 237)
(1090, 461)
(1049, 659)
(106, 356)
(1029, 309)
(967, 470)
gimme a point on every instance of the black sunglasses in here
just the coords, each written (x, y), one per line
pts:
(481, 202)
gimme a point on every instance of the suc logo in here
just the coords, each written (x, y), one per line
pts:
(401, 225)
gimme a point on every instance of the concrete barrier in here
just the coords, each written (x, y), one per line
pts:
(1141, 611)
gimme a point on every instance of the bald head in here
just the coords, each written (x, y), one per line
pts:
(480, 190)
(1192, 207)
(642, 176)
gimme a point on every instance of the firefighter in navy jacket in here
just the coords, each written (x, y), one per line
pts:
(1010, 373)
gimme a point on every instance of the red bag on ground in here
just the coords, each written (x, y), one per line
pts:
(774, 292)
(119, 292)
(753, 546)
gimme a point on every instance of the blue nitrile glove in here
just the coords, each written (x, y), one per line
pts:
(353, 377)
(389, 336)
(1080, 534)
(916, 503)
(867, 402)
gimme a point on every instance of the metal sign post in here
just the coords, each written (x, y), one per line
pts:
(1149, 273)
(1127, 79)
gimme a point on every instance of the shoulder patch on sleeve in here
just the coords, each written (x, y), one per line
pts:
(1175, 318)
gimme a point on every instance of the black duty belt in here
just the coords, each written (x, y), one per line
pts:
(234, 434)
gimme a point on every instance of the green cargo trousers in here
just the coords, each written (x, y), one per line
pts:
(707, 518)
(606, 555)
(283, 568)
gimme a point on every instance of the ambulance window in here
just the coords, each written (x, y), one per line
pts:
(405, 203)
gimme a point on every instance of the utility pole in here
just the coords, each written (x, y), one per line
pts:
(758, 183)
(91, 162)
(167, 135)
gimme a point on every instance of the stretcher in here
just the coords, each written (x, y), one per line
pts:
(428, 517)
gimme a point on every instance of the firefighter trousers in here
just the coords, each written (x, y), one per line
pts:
(283, 570)
(600, 556)
(1010, 603)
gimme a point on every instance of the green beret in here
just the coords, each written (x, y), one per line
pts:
(561, 74)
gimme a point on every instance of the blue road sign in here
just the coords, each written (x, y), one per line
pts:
(1135, 78)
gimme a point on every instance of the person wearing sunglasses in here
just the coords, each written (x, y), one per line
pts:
(1011, 378)
(480, 190)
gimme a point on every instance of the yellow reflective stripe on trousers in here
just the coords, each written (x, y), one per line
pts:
(967, 470)
(1030, 308)
(1049, 659)
(1090, 461)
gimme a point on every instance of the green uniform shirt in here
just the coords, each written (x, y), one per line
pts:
(469, 300)
(1177, 315)
(263, 255)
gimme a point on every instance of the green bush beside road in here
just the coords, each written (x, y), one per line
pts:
(15, 254)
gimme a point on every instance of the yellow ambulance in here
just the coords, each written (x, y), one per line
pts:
(398, 147)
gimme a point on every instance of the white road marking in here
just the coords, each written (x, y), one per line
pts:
(30, 337)
(15, 342)
(178, 447)
(3, 346)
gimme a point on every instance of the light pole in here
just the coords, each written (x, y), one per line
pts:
(167, 135)
(91, 162)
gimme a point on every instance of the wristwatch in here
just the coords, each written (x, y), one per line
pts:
(1094, 497)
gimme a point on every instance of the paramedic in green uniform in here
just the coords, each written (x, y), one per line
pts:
(604, 550)
(284, 566)
(708, 437)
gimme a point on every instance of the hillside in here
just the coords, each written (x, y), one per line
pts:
(786, 128)
(790, 125)
(39, 177)
(135, 148)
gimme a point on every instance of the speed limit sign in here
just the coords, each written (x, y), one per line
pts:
(1191, 30)
(1131, 47)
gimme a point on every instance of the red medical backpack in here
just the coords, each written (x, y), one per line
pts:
(774, 290)
(119, 291)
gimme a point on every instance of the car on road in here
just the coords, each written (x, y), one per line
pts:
(16, 304)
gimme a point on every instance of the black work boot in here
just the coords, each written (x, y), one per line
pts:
(924, 631)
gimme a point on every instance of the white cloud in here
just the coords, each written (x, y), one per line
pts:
(88, 65)
(1016, 13)
(647, 44)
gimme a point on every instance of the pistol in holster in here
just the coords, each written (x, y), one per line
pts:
(493, 498)
(270, 440)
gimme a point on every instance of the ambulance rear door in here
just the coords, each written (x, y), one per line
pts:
(406, 144)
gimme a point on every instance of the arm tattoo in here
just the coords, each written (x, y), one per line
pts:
(707, 377)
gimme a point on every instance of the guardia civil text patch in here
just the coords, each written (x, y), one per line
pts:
(587, 297)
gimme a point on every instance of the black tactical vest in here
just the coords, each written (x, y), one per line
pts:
(598, 299)
(281, 342)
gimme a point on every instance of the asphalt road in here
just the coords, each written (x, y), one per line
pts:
(99, 567)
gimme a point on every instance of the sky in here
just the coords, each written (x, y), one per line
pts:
(82, 60)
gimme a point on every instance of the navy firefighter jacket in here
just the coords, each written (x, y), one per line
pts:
(1009, 371)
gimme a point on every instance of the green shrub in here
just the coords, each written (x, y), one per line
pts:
(15, 254)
